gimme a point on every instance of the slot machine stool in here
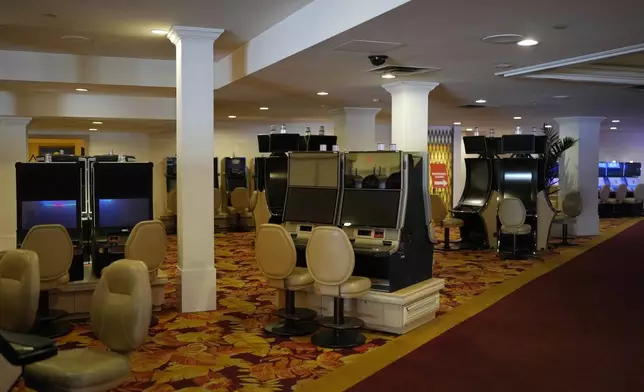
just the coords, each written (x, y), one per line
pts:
(330, 259)
(440, 218)
(276, 257)
(512, 215)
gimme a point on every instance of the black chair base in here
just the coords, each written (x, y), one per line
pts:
(448, 246)
(52, 329)
(296, 314)
(348, 323)
(291, 328)
(337, 338)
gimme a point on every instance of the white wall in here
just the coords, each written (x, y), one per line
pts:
(621, 146)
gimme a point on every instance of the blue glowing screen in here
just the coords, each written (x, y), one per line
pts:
(122, 213)
(61, 212)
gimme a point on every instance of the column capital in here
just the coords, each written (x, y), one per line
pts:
(568, 120)
(354, 110)
(13, 120)
(186, 33)
(410, 86)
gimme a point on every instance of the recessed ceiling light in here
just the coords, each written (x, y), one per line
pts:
(159, 31)
(83, 90)
(613, 128)
(231, 116)
(518, 118)
(548, 126)
(457, 123)
(481, 101)
(97, 122)
(93, 129)
(503, 65)
(75, 38)
(263, 108)
(376, 100)
(615, 121)
(560, 96)
(528, 42)
(503, 39)
(469, 129)
(323, 93)
(388, 76)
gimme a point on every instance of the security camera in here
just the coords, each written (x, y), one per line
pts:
(378, 60)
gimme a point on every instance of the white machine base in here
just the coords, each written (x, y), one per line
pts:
(76, 297)
(398, 312)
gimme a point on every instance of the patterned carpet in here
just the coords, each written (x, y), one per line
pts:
(227, 350)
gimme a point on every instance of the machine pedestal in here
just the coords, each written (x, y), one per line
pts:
(226, 222)
(398, 312)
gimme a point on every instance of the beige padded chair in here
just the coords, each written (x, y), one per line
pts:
(276, 257)
(606, 204)
(252, 201)
(571, 208)
(19, 290)
(636, 201)
(216, 200)
(512, 215)
(440, 218)
(171, 206)
(261, 214)
(148, 243)
(330, 259)
(240, 206)
(119, 317)
(55, 252)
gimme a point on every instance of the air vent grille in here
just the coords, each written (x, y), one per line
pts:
(472, 106)
(403, 70)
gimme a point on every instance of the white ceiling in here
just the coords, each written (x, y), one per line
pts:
(121, 28)
(438, 33)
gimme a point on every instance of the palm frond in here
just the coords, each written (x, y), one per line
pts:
(556, 148)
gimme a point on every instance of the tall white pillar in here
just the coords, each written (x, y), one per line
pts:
(410, 114)
(195, 151)
(13, 148)
(578, 168)
(355, 128)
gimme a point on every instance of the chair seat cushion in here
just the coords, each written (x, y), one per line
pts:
(562, 218)
(523, 229)
(452, 223)
(355, 286)
(630, 200)
(610, 201)
(78, 369)
(299, 279)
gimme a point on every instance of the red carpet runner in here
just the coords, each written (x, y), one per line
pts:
(577, 328)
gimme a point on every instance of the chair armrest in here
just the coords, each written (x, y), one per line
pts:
(22, 349)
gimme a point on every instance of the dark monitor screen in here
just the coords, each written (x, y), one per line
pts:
(493, 145)
(614, 169)
(311, 205)
(601, 167)
(264, 143)
(315, 141)
(370, 208)
(276, 169)
(540, 144)
(518, 144)
(632, 169)
(475, 145)
(49, 212)
(122, 213)
(478, 182)
(284, 142)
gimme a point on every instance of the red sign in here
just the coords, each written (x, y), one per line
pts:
(439, 175)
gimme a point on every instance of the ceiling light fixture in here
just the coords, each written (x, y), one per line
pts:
(231, 116)
(388, 75)
(97, 122)
(93, 129)
(323, 93)
(518, 118)
(503, 39)
(469, 129)
(615, 121)
(613, 128)
(528, 42)
(503, 65)
(457, 123)
(82, 90)
(263, 108)
(481, 101)
(159, 32)
(560, 96)
(548, 126)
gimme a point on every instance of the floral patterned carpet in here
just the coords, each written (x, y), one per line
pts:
(228, 350)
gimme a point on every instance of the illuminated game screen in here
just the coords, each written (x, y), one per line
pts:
(601, 181)
(614, 169)
(60, 212)
(122, 213)
(615, 182)
(601, 169)
(370, 208)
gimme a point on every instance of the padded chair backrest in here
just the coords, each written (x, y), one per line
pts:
(274, 251)
(216, 200)
(604, 193)
(620, 193)
(240, 199)
(638, 192)
(147, 243)
(512, 212)
(253, 201)
(172, 201)
(261, 214)
(329, 256)
(439, 212)
(54, 249)
(122, 306)
(572, 204)
(19, 290)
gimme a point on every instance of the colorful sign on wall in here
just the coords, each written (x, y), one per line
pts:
(439, 175)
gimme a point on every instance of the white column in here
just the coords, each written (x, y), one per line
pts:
(410, 114)
(578, 168)
(458, 169)
(355, 128)
(13, 148)
(195, 150)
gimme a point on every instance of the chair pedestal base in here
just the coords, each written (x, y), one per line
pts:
(52, 329)
(291, 328)
(338, 338)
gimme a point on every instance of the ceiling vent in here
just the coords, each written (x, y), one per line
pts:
(403, 70)
(472, 106)
(372, 47)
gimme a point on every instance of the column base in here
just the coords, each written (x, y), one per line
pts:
(585, 225)
(7, 242)
(197, 290)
